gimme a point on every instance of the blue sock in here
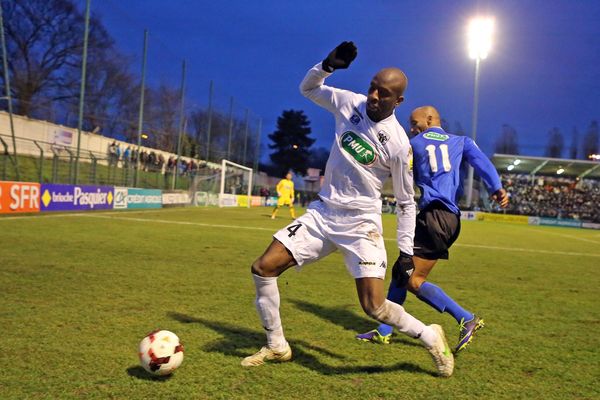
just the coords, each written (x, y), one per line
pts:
(435, 297)
(397, 295)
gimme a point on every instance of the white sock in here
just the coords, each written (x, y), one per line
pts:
(395, 315)
(267, 305)
(428, 336)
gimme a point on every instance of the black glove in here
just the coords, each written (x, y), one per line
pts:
(403, 269)
(340, 57)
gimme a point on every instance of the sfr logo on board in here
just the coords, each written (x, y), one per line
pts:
(19, 197)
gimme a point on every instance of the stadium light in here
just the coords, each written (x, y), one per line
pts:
(594, 157)
(479, 35)
(510, 167)
(517, 162)
(144, 136)
(295, 146)
(560, 170)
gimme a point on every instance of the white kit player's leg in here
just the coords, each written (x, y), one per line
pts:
(361, 242)
(267, 305)
(432, 336)
(395, 315)
(303, 243)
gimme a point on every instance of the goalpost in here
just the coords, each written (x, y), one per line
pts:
(236, 180)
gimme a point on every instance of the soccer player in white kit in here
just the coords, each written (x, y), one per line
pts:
(369, 145)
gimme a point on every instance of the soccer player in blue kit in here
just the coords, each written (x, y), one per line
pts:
(437, 156)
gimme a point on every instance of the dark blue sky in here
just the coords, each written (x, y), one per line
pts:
(543, 71)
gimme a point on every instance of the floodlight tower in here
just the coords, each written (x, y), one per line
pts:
(479, 41)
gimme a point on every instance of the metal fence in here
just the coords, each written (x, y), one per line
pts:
(46, 162)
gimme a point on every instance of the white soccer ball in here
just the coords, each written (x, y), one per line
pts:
(161, 352)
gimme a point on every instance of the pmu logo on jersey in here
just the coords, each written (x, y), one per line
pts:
(358, 148)
(436, 136)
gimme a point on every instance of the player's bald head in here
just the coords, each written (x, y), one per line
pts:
(385, 93)
(394, 78)
(422, 118)
(430, 113)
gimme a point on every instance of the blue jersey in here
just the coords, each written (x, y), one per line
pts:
(437, 156)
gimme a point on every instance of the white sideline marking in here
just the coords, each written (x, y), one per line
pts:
(166, 221)
(162, 221)
(562, 253)
(569, 236)
(111, 215)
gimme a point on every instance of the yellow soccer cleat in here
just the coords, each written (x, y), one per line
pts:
(266, 354)
(441, 353)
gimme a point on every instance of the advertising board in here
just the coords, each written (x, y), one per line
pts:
(76, 197)
(19, 197)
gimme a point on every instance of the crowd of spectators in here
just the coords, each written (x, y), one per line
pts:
(543, 196)
(555, 197)
(151, 161)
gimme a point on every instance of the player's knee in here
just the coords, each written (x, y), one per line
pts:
(414, 283)
(371, 308)
(260, 267)
(379, 312)
(263, 266)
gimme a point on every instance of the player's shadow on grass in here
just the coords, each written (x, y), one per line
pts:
(241, 342)
(140, 373)
(346, 319)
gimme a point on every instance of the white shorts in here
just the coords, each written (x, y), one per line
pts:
(322, 230)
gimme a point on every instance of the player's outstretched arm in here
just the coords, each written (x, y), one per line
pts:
(484, 168)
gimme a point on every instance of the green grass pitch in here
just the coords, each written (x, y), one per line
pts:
(79, 291)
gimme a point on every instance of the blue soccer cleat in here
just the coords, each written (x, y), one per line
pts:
(467, 331)
(374, 337)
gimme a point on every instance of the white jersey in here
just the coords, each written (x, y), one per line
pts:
(363, 156)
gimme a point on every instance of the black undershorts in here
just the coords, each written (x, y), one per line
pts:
(436, 229)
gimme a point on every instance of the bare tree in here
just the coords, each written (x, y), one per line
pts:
(219, 138)
(555, 144)
(590, 140)
(218, 133)
(112, 97)
(574, 144)
(458, 129)
(44, 45)
(163, 117)
(507, 142)
(445, 125)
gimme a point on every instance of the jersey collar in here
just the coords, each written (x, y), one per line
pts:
(435, 129)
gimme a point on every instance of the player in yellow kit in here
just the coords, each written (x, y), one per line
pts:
(285, 191)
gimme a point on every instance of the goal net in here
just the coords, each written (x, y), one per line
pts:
(205, 186)
(236, 185)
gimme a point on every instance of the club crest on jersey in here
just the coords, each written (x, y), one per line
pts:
(358, 148)
(355, 119)
(383, 137)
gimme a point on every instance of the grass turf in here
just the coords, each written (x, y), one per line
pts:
(80, 291)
